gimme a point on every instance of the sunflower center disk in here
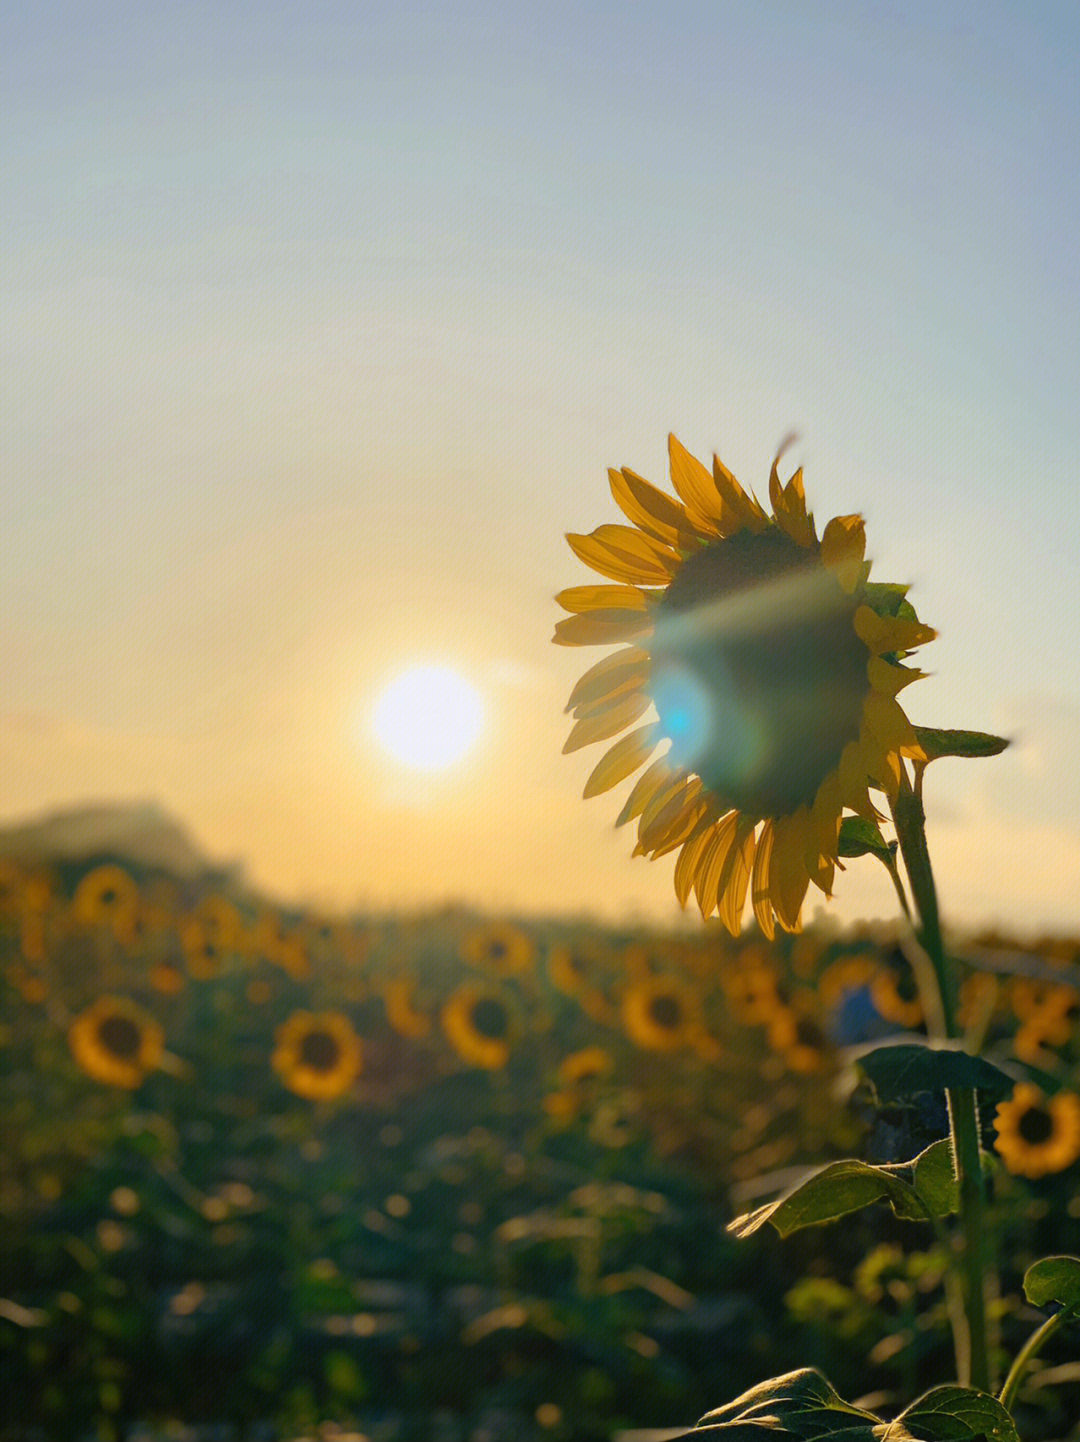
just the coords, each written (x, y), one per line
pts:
(489, 1019)
(1036, 1126)
(319, 1051)
(757, 674)
(120, 1035)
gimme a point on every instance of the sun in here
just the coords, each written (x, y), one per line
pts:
(428, 717)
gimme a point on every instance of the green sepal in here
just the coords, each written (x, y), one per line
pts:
(862, 837)
(1053, 1279)
(952, 1414)
(958, 743)
(834, 1191)
(897, 1073)
(889, 600)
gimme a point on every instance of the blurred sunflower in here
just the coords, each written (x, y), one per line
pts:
(317, 1057)
(661, 1013)
(108, 896)
(799, 1040)
(1036, 1134)
(773, 667)
(117, 1042)
(478, 1025)
(166, 978)
(403, 1016)
(502, 948)
(573, 971)
(580, 1068)
(203, 955)
(220, 921)
(752, 987)
(895, 994)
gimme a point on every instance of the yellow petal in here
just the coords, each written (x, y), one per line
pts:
(693, 849)
(679, 830)
(695, 485)
(658, 776)
(620, 671)
(740, 512)
(735, 878)
(888, 678)
(788, 875)
(711, 864)
(662, 812)
(885, 717)
(759, 890)
(603, 598)
(789, 504)
(651, 510)
(625, 756)
(890, 633)
(844, 539)
(625, 555)
(602, 628)
(843, 547)
(617, 717)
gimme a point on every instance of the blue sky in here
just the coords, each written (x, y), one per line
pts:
(325, 321)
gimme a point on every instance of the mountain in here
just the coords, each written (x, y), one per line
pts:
(141, 833)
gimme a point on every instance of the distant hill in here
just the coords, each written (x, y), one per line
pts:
(141, 833)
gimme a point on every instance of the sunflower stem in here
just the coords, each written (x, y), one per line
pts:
(970, 1330)
(1027, 1352)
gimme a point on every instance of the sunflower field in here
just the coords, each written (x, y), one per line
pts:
(267, 1174)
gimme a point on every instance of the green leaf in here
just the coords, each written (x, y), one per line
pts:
(899, 1072)
(1053, 1279)
(958, 743)
(799, 1404)
(860, 837)
(953, 1414)
(834, 1191)
(935, 1179)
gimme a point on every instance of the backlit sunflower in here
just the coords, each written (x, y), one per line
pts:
(1038, 1135)
(116, 1042)
(317, 1057)
(773, 666)
(478, 1025)
(661, 1013)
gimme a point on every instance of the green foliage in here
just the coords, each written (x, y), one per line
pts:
(952, 1414)
(938, 743)
(899, 1072)
(1053, 1279)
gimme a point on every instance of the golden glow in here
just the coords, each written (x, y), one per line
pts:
(428, 717)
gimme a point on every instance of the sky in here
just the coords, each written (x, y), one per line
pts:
(324, 323)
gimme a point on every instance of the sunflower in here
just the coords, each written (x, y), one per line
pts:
(584, 1067)
(895, 994)
(572, 971)
(108, 896)
(317, 1057)
(203, 956)
(477, 1023)
(502, 948)
(117, 1042)
(799, 1040)
(1038, 1135)
(661, 1013)
(773, 666)
(398, 994)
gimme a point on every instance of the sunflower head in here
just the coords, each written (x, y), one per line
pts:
(1038, 1135)
(117, 1042)
(772, 667)
(317, 1057)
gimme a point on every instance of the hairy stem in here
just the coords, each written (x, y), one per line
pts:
(970, 1332)
(1028, 1350)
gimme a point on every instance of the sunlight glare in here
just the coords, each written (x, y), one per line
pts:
(428, 717)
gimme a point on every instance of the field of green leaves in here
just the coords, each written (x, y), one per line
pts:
(450, 1178)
